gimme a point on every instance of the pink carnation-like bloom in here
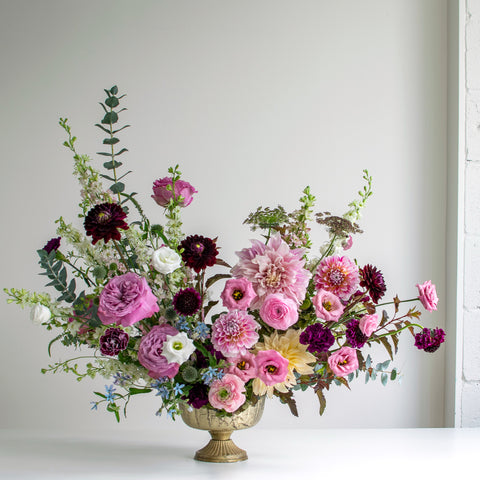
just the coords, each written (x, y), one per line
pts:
(150, 352)
(327, 306)
(227, 393)
(428, 295)
(343, 361)
(338, 275)
(272, 367)
(182, 189)
(368, 324)
(126, 299)
(273, 268)
(234, 332)
(279, 311)
(243, 366)
(237, 294)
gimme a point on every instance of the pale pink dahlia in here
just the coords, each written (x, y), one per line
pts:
(273, 268)
(234, 333)
(338, 275)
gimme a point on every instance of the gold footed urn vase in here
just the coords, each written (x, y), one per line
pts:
(221, 449)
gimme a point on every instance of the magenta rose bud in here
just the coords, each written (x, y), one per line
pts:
(279, 311)
(163, 196)
(327, 306)
(428, 295)
(368, 324)
(343, 361)
(126, 299)
(272, 367)
(150, 352)
(227, 393)
(237, 294)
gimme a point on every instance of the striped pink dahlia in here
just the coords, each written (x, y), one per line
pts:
(273, 268)
(338, 275)
(234, 333)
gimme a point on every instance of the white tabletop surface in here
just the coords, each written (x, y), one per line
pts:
(273, 454)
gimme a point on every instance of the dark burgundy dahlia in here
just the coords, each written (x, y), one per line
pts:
(113, 341)
(199, 252)
(318, 338)
(187, 302)
(53, 244)
(355, 336)
(429, 339)
(104, 220)
(197, 397)
(372, 279)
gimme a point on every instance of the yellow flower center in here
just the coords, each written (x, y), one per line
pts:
(237, 295)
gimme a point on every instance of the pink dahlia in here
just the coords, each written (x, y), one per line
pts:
(227, 393)
(327, 306)
(338, 275)
(237, 294)
(273, 268)
(234, 332)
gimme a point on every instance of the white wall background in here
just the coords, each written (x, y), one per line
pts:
(255, 100)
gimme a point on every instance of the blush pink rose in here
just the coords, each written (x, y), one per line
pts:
(237, 294)
(279, 311)
(368, 324)
(227, 393)
(272, 367)
(327, 306)
(343, 361)
(182, 189)
(428, 295)
(126, 299)
(243, 366)
(150, 352)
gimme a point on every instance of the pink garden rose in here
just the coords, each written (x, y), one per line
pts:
(182, 189)
(227, 393)
(243, 366)
(150, 352)
(279, 311)
(234, 332)
(126, 299)
(237, 294)
(327, 306)
(272, 367)
(368, 324)
(428, 295)
(343, 361)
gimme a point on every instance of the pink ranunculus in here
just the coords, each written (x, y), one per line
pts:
(368, 324)
(279, 311)
(343, 361)
(126, 299)
(243, 366)
(272, 367)
(150, 352)
(182, 189)
(227, 393)
(234, 333)
(428, 295)
(327, 306)
(237, 294)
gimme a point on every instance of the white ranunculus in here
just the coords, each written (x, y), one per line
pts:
(177, 348)
(40, 314)
(165, 260)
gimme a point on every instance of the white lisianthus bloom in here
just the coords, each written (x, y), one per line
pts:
(40, 314)
(177, 348)
(165, 260)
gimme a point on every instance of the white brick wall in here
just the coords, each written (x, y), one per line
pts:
(470, 405)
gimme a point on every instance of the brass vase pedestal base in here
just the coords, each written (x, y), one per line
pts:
(221, 449)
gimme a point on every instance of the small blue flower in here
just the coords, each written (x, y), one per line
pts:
(121, 379)
(211, 374)
(94, 405)
(202, 331)
(182, 325)
(178, 388)
(163, 392)
(110, 395)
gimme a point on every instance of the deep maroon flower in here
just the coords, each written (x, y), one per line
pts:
(372, 279)
(114, 340)
(53, 244)
(318, 338)
(199, 252)
(104, 220)
(202, 360)
(198, 395)
(187, 302)
(429, 339)
(354, 335)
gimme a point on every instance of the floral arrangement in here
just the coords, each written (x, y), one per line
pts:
(285, 320)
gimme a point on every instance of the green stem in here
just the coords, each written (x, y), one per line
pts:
(389, 334)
